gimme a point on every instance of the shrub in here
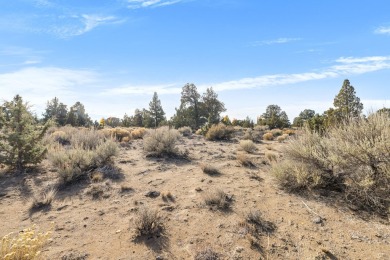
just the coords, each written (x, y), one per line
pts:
(352, 157)
(271, 156)
(219, 132)
(25, 245)
(44, 200)
(161, 141)
(209, 169)
(207, 254)
(148, 222)
(268, 136)
(288, 132)
(218, 199)
(185, 130)
(282, 138)
(74, 163)
(276, 132)
(138, 133)
(86, 139)
(248, 146)
(253, 135)
(244, 160)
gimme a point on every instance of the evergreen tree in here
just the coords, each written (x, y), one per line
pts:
(274, 117)
(77, 116)
(304, 117)
(156, 111)
(347, 103)
(126, 121)
(57, 111)
(190, 99)
(20, 136)
(212, 106)
(137, 118)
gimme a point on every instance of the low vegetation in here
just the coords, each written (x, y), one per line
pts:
(219, 132)
(147, 222)
(248, 146)
(27, 244)
(218, 199)
(207, 254)
(210, 169)
(87, 151)
(352, 157)
(162, 142)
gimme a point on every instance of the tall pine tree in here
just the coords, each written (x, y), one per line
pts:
(156, 111)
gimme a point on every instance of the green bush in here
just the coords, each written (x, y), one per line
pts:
(220, 132)
(352, 157)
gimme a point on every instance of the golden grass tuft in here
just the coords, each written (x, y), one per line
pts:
(27, 244)
(147, 222)
(138, 133)
(248, 146)
(244, 160)
(218, 199)
(268, 136)
(45, 199)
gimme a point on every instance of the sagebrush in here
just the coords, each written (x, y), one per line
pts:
(162, 142)
(352, 157)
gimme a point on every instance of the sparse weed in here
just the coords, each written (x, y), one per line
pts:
(209, 169)
(248, 146)
(185, 130)
(271, 156)
(43, 200)
(218, 199)
(207, 254)
(148, 223)
(244, 160)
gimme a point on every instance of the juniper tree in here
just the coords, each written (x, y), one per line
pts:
(274, 117)
(212, 106)
(20, 135)
(347, 103)
(57, 111)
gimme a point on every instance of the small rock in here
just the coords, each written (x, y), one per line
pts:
(118, 231)
(159, 257)
(317, 220)
(152, 194)
(198, 189)
(239, 249)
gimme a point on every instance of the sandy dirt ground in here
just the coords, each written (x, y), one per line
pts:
(95, 220)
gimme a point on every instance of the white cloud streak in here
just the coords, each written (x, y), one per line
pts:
(343, 66)
(136, 4)
(275, 41)
(382, 30)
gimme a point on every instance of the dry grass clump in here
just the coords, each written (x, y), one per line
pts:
(248, 146)
(253, 135)
(254, 218)
(27, 244)
(185, 130)
(207, 254)
(352, 157)
(276, 132)
(288, 132)
(162, 141)
(147, 223)
(282, 138)
(244, 160)
(219, 132)
(218, 199)
(86, 153)
(43, 200)
(268, 136)
(118, 133)
(271, 156)
(138, 133)
(209, 169)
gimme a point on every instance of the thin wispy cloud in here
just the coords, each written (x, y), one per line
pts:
(343, 67)
(143, 89)
(136, 4)
(275, 41)
(382, 30)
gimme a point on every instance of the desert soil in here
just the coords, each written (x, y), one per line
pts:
(100, 226)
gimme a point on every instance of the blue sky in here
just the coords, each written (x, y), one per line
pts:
(111, 55)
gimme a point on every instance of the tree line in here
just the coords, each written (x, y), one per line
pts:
(197, 110)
